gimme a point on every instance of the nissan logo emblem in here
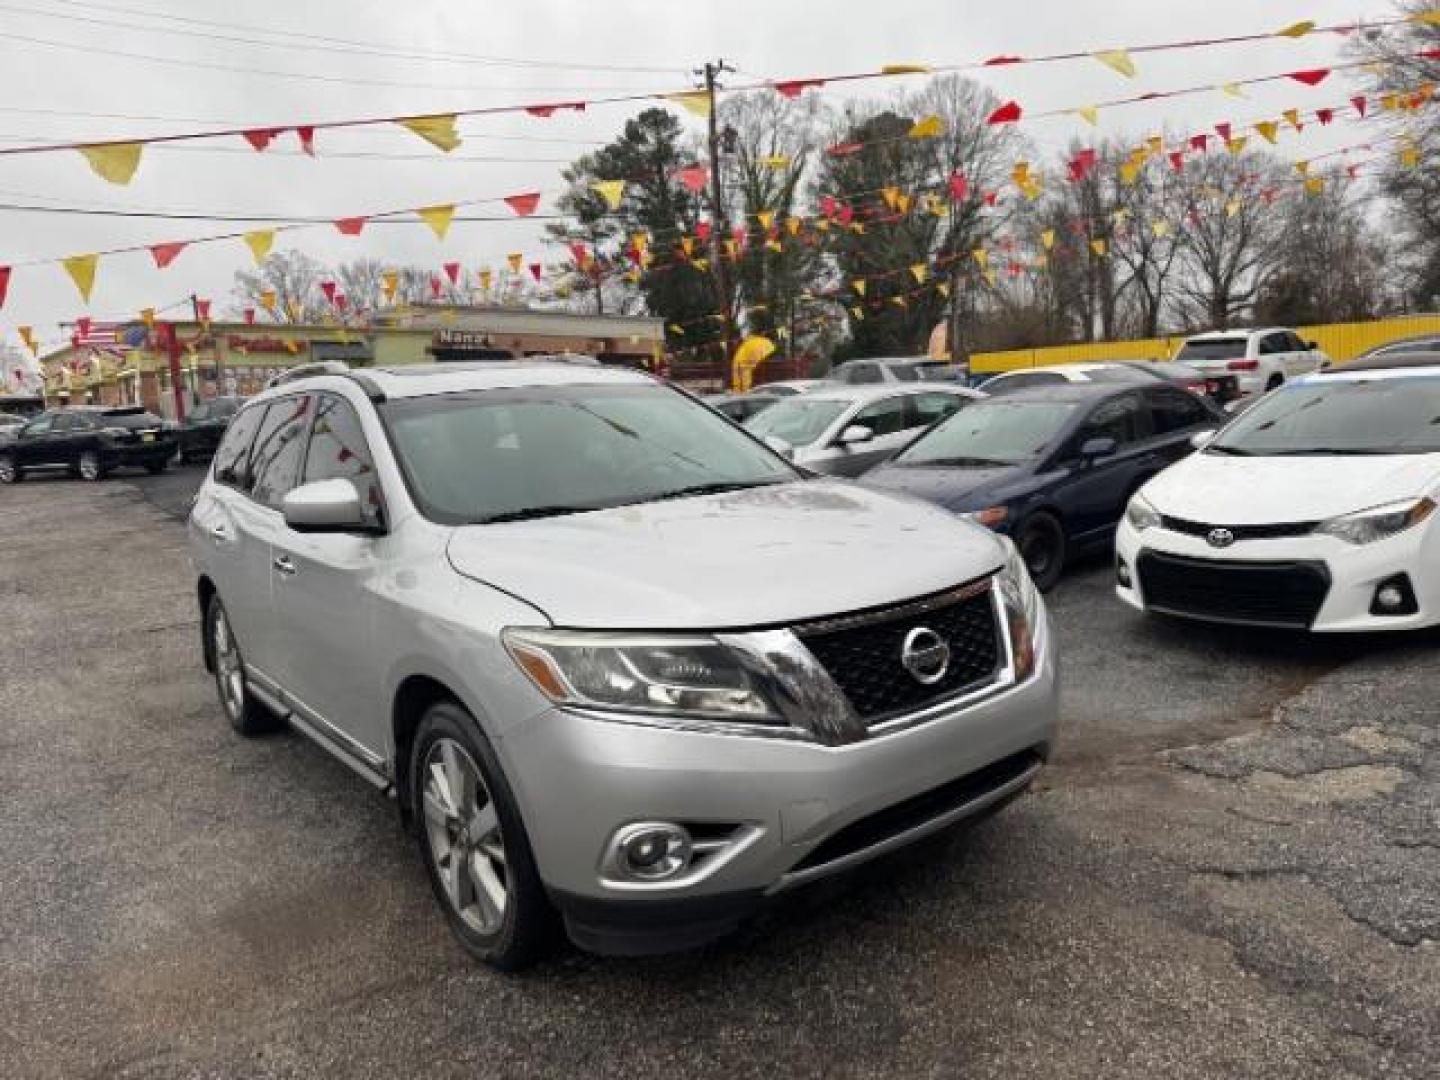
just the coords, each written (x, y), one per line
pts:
(925, 655)
(1220, 538)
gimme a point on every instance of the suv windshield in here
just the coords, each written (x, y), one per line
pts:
(797, 420)
(1230, 348)
(991, 432)
(131, 419)
(1373, 416)
(505, 455)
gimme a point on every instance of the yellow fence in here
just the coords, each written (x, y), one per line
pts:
(1340, 341)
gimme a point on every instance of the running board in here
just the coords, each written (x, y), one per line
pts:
(318, 735)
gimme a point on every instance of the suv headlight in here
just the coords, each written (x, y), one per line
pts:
(1141, 515)
(687, 676)
(1367, 526)
(1023, 610)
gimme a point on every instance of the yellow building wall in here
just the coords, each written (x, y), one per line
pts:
(1340, 341)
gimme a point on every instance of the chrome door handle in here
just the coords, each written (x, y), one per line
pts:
(219, 531)
(284, 565)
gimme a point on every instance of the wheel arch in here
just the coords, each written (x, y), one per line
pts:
(204, 592)
(415, 694)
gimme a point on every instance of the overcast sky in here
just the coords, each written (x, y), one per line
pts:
(566, 48)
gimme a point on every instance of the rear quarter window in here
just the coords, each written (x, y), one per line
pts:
(232, 459)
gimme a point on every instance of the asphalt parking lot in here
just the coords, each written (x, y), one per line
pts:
(1232, 870)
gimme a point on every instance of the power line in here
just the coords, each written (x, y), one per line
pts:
(350, 45)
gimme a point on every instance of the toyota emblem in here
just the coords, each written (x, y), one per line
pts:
(925, 655)
(1220, 538)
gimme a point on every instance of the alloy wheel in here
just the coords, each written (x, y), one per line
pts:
(229, 671)
(89, 465)
(7, 470)
(462, 828)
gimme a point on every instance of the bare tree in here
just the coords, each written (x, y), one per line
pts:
(294, 279)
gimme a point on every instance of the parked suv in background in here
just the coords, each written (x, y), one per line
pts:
(89, 442)
(885, 370)
(614, 657)
(1261, 359)
(204, 426)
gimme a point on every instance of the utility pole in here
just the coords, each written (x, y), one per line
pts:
(719, 223)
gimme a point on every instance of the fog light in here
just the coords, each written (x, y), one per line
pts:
(653, 851)
(1394, 596)
(1122, 573)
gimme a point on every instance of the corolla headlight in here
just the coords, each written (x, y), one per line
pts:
(677, 676)
(1023, 610)
(1367, 526)
(1141, 515)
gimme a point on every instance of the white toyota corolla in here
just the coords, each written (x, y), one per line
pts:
(1313, 510)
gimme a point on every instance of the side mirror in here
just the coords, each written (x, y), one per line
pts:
(326, 506)
(780, 446)
(1311, 346)
(1092, 449)
(1202, 439)
(854, 435)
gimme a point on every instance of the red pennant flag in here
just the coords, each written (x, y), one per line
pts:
(452, 271)
(1324, 116)
(739, 234)
(793, 88)
(4, 283)
(582, 256)
(260, 138)
(1199, 142)
(959, 186)
(536, 269)
(1224, 131)
(828, 205)
(164, 254)
(1312, 77)
(847, 214)
(1431, 54)
(435, 286)
(341, 302)
(702, 231)
(1000, 61)
(307, 139)
(202, 309)
(328, 288)
(1081, 164)
(1177, 160)
(1359, 103)
(547, 111)
(82, 326)
(249, 316)
(1352, 171)
(841, 149)
(524, 205)
(350, 226)
(991, 198)
(1268, 195)
(1008, 113)
(694, 177)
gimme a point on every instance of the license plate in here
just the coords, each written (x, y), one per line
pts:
(148, 436)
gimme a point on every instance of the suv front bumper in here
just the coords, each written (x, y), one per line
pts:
(795, 810)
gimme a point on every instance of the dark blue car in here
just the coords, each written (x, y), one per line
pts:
(1053, 466)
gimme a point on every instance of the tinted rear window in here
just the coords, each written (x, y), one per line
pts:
(129, 419)
(1230, 348)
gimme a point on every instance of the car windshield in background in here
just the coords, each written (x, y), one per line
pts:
(1371, 416)
(1230, 348)
(130, 419)
(221, 408)
(797, 420)
(506, 455)
(991, 432)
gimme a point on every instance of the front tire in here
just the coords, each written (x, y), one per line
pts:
(473, 843)
(1276, 381)
(1041, 542)
(10, 473)
(90, 466)
(246, 715)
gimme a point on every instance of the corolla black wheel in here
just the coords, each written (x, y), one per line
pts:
(474, 844)
(246, 715)
(90, 466)
(10, 473)
(155, 468)
(1277, 380)
(1041, 542)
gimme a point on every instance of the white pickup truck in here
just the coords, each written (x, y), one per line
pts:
(1260, 359)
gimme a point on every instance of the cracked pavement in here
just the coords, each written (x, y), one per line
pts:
(1232, 869)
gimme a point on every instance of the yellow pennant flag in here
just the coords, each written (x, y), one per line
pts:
(990, 278)
(858, 312)
(1268, 129)
(81, 269)
(943, 288)
(267, 299)
(1047, 239)
(27, 335)
(436, 130)
(927, 128)
(1303, 168)
(259, 243)
(147, 316)
(486, 275)
(1232, 208)
(693, 101)
(1021, 173)
(1156, 145)
(1100, 247)
(1389, 102)
(1410, 157)
(981, 257)
(902, 204)
(774, 245)
(766, 218)
(776, 162)
(1089, 113)
(438, 218)
(857, 228)
(1160, 228)
(515, 260)
(1121, 216)
(1232, 89)
(389, 283)
(1296, 30)
(899, 301)
(293, 308)
(905, 69)
(115, 162)
(731, 248)
(1129, 173)
(612, 191)
(1237, 144)
(687, 245)
(919, 272)
(891, 195)
(1292, 117)
(1430, 18)
(1314, 185)
(793, 226)
(1117, 60)
(859, 286)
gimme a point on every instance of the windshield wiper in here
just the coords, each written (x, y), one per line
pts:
(715, 488)
(1334, 451)
(960, 462)
(1233, 451)
(529, 513)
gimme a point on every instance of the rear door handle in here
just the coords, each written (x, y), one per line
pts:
(283, 564)
(219, 531)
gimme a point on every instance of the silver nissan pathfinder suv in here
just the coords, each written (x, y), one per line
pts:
(616, 660)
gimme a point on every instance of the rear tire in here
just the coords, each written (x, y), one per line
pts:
(1041, 542)
(1276, 381)
(473, 843)
(10, 473)
(90, 466)
(246, 715)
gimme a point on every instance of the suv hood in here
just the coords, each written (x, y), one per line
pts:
(757, 557)
(958, 489)
(1214, 489)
